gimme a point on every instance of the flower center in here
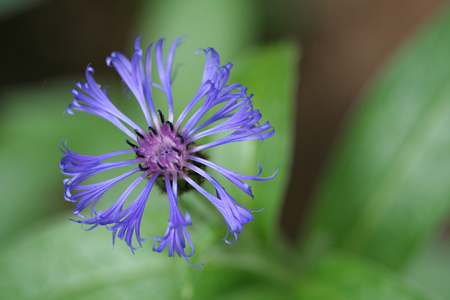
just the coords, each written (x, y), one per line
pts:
(163, 150)
(160, 150)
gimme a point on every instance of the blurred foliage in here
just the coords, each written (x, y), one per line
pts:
(29, 126)
(9, 8)
(431, 268)
(387, 188)
(384, 195)
(227, 25)
(350, 277)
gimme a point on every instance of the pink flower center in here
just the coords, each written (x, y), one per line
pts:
(163, 150)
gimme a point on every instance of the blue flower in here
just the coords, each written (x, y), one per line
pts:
(165, 152)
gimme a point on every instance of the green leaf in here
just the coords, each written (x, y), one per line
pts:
(254, 290)
(29, 153)
(270, 74)
(57, 260)
(247, 267)
(388, 186)
(342, 277)
(431, 268)
(228, 26)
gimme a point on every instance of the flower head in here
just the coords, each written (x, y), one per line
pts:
(164, 152)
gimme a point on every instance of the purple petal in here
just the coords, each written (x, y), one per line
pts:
(176, 234)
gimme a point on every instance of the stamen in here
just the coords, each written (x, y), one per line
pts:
(138, 154)
(142, 168)
(139, 134)
(161, 116)
(176, 150)
(150, 128)
(170, 125)
(160, 166)
(180, 137)
(177, 165)
(131, 144)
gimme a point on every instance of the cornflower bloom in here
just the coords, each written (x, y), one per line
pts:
(164, 151)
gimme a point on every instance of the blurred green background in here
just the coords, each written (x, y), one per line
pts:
(359, 95)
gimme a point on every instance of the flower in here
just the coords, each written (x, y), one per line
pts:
(164, 152)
